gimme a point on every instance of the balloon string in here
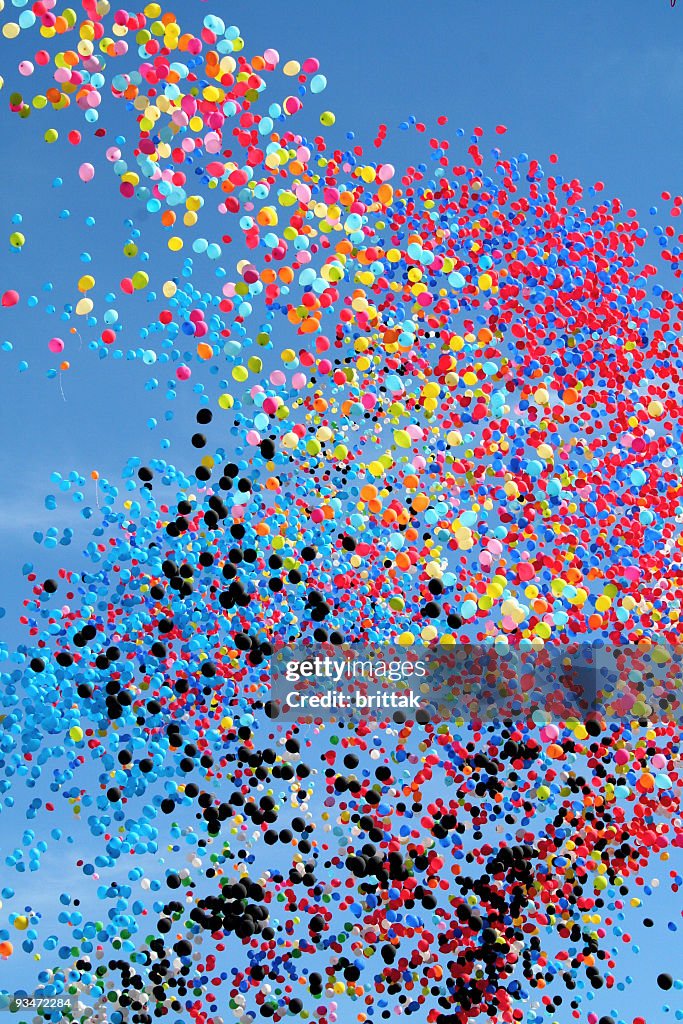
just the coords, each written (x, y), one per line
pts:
(97, 493)
(61, 389)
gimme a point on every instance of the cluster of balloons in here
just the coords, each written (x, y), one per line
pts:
(452, 399)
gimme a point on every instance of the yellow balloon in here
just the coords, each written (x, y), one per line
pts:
(140, 280)
(86, 283)
(83, 307)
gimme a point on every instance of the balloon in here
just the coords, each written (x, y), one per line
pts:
(10, 298)
(86, 172)
(140, 280)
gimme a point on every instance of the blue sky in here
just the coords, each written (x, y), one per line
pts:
(600, 84)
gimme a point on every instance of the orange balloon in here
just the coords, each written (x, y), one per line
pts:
(385, 194)
(645, 783)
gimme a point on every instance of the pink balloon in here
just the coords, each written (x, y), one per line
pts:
(55, 345)
(86, 172)
(183, 373)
